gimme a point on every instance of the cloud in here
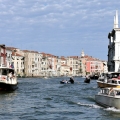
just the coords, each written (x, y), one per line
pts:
(76, 23)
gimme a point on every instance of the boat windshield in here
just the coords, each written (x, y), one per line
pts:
(6, 71)
(113, 75)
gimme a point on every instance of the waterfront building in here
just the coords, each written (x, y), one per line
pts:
(64, 67)
(15, 60)
(114, 47)
(94, 66)
(9, 62)
(52, 64)
(36, 64)
(46, 65)
(32, 63)
(73, 63)
(65, 70)
(91, 65)
(58, 66)
(18, 63)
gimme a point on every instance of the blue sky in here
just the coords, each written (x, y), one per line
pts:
(58, 27)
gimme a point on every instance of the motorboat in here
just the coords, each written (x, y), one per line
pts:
(108, 97)
(8, 79)
(110, 79)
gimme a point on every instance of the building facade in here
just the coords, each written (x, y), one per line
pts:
(114, 47)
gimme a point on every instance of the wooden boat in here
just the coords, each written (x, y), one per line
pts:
(8, 79)
(108, 97)
(110, 79)
(87, 80)
(71, 81)
(64, 82)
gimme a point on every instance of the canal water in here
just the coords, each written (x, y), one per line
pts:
(47, 99)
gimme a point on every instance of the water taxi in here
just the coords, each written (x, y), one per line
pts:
(110, 79)
(108, 97)
(8, 78)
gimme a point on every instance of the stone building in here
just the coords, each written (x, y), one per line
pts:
(32, 63)
(18, 63)
(73, 63)
(9, 62)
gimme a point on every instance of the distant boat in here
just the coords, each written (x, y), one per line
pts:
(71, 81)
(108, 97)
(95, 77)
(87, 80)
(45, 77)
(64, 82)
(8, 82)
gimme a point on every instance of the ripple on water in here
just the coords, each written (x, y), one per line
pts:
(41, 99)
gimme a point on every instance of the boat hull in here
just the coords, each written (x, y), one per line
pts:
(87, 80)
(65, 82)
(108, 101)
(103, 85)
(8, 87)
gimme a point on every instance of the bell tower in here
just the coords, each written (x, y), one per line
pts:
(82, 54)
(116, 20)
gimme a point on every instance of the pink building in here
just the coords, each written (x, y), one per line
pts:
(93, 65)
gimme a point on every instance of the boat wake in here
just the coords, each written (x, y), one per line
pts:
(112, 110)
(89, 105)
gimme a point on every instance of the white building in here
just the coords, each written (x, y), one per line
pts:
(114, 47)
(8, 57)
(18, 63)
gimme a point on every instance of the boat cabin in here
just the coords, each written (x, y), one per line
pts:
(109, 75)
(110, 91)
(6, 71)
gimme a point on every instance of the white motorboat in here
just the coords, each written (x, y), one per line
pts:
(108, 97)
(110, 79)
(8, 79)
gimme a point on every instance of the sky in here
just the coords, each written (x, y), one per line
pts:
(58, 27)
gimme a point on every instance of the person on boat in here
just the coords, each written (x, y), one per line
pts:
(64, 81)
(112, 91)
(10, 75)
(119, 77)
(71, 80)
(88, 77)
